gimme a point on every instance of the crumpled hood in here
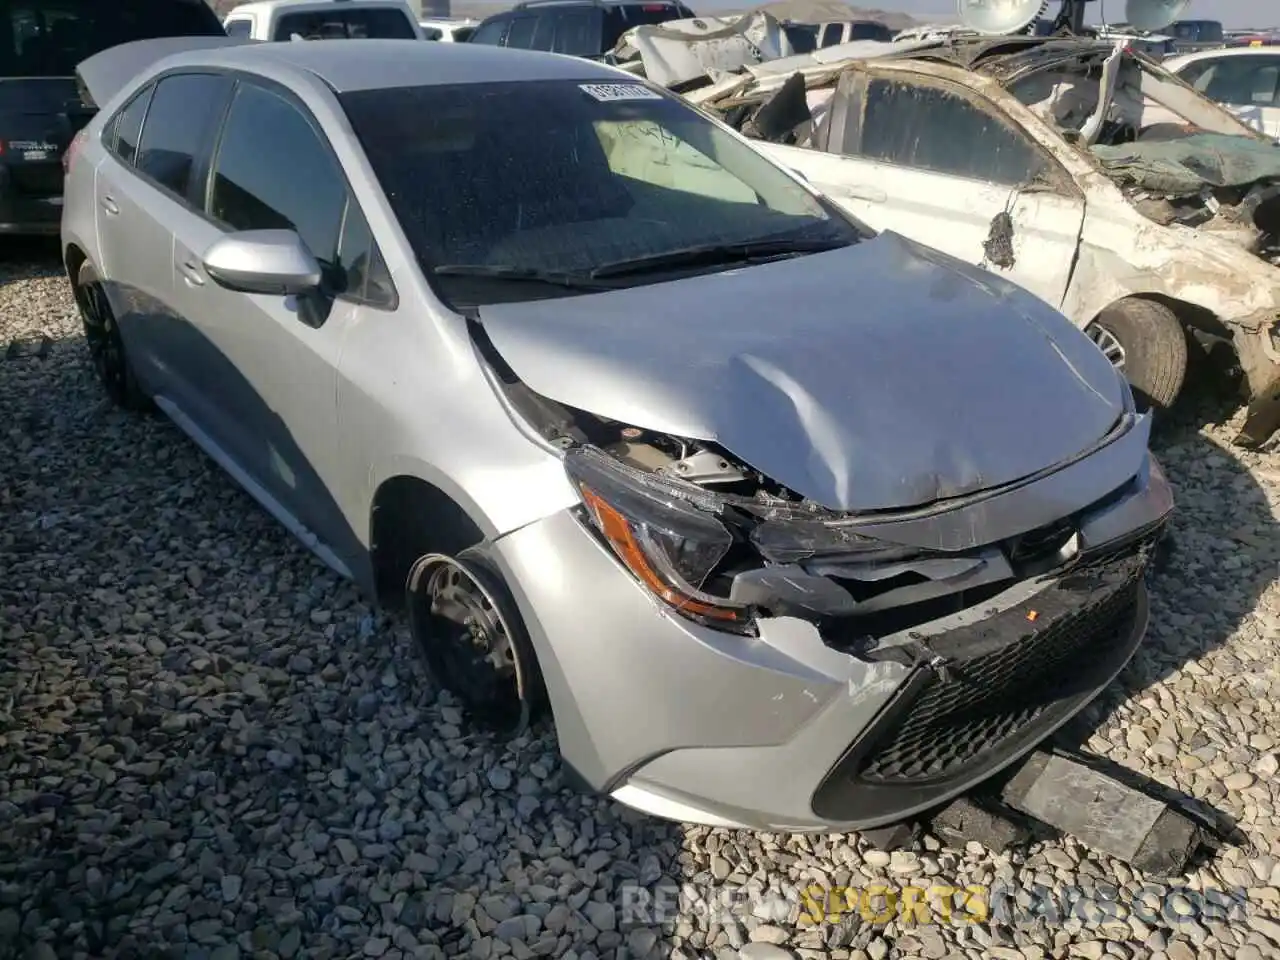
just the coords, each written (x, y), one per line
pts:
(879, 376)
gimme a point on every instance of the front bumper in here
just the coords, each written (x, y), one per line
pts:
(783, 731)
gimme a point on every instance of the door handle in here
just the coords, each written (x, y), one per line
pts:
(191, 273)
(109, 204)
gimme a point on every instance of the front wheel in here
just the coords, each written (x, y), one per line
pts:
(473, 641)
(1146, 342)
(106, 346)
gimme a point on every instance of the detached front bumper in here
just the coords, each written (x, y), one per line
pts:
(785, 732)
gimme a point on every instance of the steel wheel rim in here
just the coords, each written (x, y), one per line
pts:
(468, 643)
(1108, 344)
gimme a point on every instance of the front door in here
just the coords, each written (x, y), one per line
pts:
(276, 378)
(913, 156)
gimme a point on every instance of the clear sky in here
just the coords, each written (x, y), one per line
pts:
(1233, 13)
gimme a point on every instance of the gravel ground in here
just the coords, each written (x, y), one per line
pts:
(210, 748)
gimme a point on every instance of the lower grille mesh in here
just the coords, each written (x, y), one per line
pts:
(976, 704)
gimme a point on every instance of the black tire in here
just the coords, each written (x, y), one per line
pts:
(1153, 345)
(106, 346)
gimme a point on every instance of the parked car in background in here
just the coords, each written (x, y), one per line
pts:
(448, 30)
(1245, 80)
(323, 20)
(807, 37)
(732, 482)
(578, 28)
(1140, 213)
(1157, 46)
(41, 41)
(1193, 35)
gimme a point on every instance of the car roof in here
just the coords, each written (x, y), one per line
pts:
(380, 64)
(264, 6)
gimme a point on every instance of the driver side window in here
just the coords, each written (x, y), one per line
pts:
(932, 128)
(274, 171)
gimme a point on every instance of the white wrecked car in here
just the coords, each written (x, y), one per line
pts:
(1052, 162)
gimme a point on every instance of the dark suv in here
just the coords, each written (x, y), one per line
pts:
(579, 28)
(41, 41)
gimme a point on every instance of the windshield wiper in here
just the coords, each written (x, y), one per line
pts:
(711, 254)
(507, 271)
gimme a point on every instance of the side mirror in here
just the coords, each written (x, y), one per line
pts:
(262, 261)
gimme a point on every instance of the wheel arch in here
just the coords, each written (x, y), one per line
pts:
(410, 516)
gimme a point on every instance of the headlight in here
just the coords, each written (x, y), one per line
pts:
(665, 533)
(790, 540)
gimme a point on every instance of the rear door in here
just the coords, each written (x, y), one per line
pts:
(41, 42)
(146, 192)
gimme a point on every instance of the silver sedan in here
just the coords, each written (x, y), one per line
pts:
(786, 524)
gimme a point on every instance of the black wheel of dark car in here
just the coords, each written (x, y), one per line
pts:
(472, 640)
(1146, 341)
(106, 346)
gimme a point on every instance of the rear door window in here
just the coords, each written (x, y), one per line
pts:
(184, 110)
(48, 38)
(240, 27)
(367, 23)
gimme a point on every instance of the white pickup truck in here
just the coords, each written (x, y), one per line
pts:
(323, 20)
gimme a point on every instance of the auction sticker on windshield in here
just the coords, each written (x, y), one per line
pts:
(609, 92)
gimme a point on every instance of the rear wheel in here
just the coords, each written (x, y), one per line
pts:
(106, 346)
(1146, 342)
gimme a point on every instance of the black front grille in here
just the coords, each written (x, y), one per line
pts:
(986, 692)
(975, 705)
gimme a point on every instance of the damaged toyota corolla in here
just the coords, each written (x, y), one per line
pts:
(789, 525)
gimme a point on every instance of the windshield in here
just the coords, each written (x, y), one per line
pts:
(570, 177)
(48, 38)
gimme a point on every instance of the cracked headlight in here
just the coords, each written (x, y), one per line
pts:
(665, 533)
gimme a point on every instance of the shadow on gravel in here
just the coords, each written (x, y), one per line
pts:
(1218, 559)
